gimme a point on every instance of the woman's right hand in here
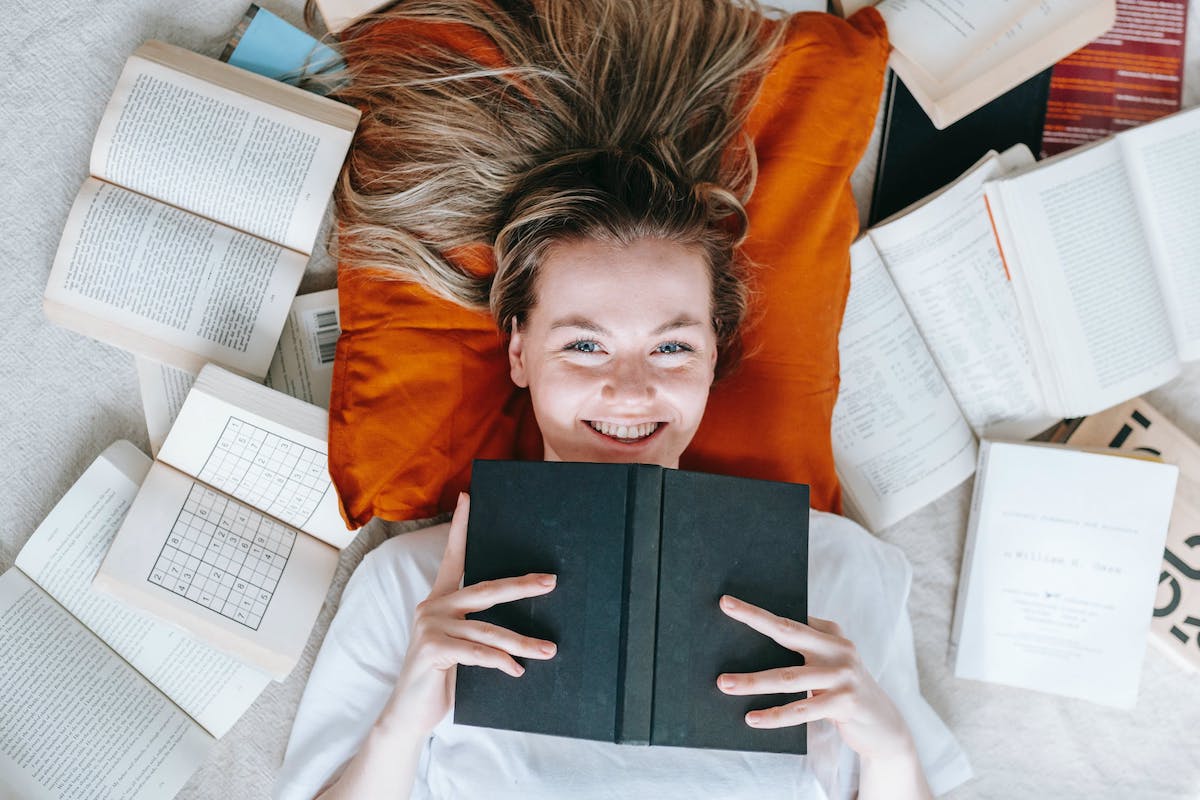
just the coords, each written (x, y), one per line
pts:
(442, 637)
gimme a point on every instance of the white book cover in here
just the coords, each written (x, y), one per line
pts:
(1060, 570)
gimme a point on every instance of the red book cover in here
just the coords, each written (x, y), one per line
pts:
(1131, 75)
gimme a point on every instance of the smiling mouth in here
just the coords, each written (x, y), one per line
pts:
(626, 434)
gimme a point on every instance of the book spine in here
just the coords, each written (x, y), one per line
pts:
(639, 610)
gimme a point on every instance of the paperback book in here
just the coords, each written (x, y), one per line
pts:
(1023, 293)
(235, 533)
(1060, 569)
(208, 186)
(957, 56)
(102, 697)
(1138, 427)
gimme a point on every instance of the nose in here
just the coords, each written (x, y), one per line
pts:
(629, 381)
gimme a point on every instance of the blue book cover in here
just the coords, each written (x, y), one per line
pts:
(267, 45)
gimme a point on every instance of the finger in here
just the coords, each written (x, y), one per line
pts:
(449, 651)
(485, 594)
(450, 572)
(790, 633)
(810, 709)
(826, 626)
(784, 680)
(501, 638)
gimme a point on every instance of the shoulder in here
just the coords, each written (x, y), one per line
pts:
(370, 629)
(403, 563)
(838, 538)
(858, 581)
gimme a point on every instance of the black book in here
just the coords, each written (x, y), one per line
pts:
(642, 555)
(916, 159)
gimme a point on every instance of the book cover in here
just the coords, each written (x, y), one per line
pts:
(1059, 570)
(642, 556)
(270, 46)
(916, 159)
(1137, 427)
(1131, 75)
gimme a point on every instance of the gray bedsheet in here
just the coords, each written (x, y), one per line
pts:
(63, 398)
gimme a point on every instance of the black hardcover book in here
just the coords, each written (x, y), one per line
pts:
(916, 159)
(642, 555)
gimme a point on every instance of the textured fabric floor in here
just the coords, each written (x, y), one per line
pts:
(64, 398)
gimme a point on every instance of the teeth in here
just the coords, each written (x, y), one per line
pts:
(625, 431)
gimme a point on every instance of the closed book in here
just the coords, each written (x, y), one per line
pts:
(916, 159)
(1060, 570)
(642, 555)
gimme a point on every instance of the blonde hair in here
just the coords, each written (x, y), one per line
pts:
(560, 119)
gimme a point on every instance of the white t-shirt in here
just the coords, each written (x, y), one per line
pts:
(854, 579)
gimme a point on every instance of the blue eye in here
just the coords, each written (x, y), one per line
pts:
(670, 348)
(584, 346)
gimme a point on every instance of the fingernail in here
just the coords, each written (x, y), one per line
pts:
(462, 498)
(548, 580)
(520, 670)
(726, 601)
(753, 718)
(725, 682)
(549, 648)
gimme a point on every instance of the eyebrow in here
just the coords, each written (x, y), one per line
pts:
(577, 321)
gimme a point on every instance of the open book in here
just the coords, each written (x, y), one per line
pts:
(1103, 247)
(208, 185)
(932, 350)
(92, 692)
(235, 534)
(1092, 298)
(1059, 570)
(957, 55)
(301, 367)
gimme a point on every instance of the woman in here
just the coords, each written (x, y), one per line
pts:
(615, 225)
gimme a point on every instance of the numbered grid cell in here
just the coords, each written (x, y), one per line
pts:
(283, 478)
(224, 556)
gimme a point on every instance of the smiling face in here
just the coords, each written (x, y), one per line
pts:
(618, 350)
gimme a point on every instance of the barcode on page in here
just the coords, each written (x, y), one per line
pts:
(327, 335)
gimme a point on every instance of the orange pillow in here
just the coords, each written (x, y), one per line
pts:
(421, 386)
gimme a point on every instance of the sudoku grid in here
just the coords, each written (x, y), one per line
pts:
(224, 555)
(282, 478)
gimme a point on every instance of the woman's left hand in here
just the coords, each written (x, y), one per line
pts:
(840, 688)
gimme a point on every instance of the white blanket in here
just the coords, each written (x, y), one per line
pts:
(65, 398)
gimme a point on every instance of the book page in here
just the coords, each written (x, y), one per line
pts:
(1050, 31)
(302, 366)
(1078, 245)
(261, 447)
(303, 363)
(78, 721)
(219, 152)
(234, 578)
(338, 14)
(899, 440)
(163, 389)
(940, 35)
(944, 261)
(63, 555)
(169, 285)
(1164, 164)
(1061, 570)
